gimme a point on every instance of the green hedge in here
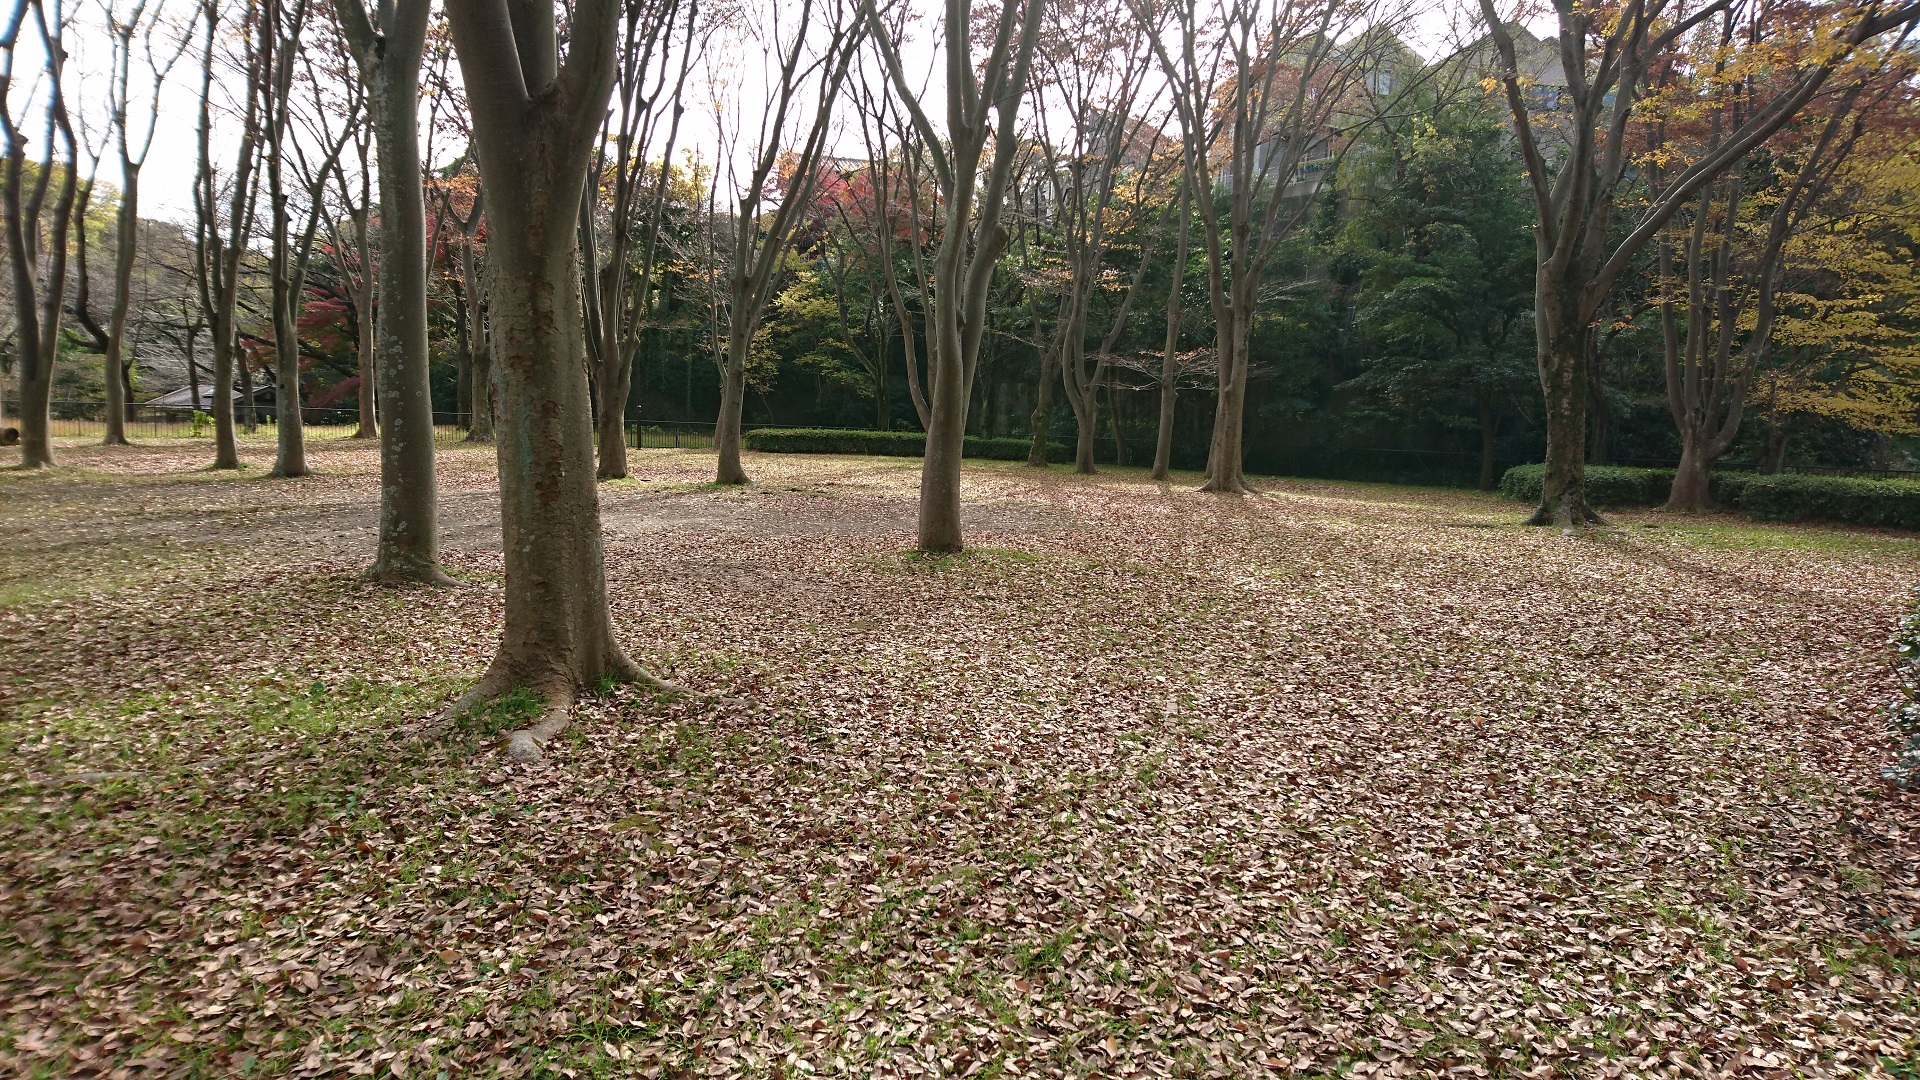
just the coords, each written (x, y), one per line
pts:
(1607, 485)
(1849, 500)
(881, 443)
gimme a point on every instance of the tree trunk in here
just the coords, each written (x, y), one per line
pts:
(226, 448)
(36, 419)
(613, 390)
(290, 442)
(369, 426)
(1563, 382)
(409, 545)
(193, 372)
(1690, 481)
(559, 631)
(1487, 425)
(726, 427)
(939, 518)
(249, 409)
(1776, 452)
(1225, 461)
(1042, 411)
(126, 237)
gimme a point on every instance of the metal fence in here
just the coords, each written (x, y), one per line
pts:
(87, 420)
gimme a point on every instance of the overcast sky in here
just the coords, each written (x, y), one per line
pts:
(725, 83)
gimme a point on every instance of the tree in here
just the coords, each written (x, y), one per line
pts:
(354, 257)
(387, 45)
(220, 246)
(972, 238)
(619, 289)
(1093, 68)
(1846, 342)
(1440, 236)
(142, 23)
(1273, 77)
(534, 122)
(759, 246)
(1169, 374)
(1612, 56)
(36, 229)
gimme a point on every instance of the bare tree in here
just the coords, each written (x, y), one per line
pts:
(353, 252)
(896, 167)
(619, 278)
(38, 231)
(1169, 365)
(387, 47)
(816, 55)
(983, 107)
(220, 243)
(534, 122)
(142, 23)
(1273, 77)
(1582, 155)
(1093, 68)
(287, 133)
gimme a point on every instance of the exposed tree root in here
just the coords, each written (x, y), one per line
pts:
(1229, 487)
(1568, 515)
(407, 572)
(557, 701)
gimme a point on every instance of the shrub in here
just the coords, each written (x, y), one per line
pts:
(1848, 500)
(880, 443)
(1607, 485)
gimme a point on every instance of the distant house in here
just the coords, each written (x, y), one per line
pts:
(182, 400)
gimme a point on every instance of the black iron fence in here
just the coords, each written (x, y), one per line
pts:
(88, 419)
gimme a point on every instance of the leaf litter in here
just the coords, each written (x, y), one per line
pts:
(1149, 783)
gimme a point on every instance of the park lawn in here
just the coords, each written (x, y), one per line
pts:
(1341, 779)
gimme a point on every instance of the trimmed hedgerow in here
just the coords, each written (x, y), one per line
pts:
(1849, 500)
(881, 443)
(1607, 485)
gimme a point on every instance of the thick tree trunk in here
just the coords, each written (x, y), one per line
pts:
(1564, 355)
(1225, 461)
(559, 631)
(36, 420)
(409, 545)
(1691, 479)
(939, 519)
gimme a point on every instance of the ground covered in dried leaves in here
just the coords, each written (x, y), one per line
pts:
(1335, 780)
